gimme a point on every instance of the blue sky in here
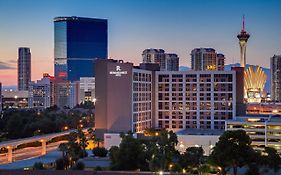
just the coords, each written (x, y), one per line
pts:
(175, 25)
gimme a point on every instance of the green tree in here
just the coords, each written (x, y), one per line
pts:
(63, 148)
(192, 158)
(74, 148)
(162, 150)
(232, 150)
(91, 133)
(204, 169)
(82, 142)
(129, 156)
(98, 141)
(62, 163)
(271, 159)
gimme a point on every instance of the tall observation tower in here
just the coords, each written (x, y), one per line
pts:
(243, 38)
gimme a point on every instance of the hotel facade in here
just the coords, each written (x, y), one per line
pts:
(194, 99)
(133, 98)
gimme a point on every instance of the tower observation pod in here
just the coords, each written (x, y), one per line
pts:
(243, 37)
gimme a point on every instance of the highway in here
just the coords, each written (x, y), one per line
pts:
(30, 152)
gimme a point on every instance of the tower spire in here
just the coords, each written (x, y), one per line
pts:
(243, 23)
(243, 38)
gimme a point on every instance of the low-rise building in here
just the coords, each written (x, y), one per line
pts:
(264, 108)
(14, 99)
(204, 138)
(87, 89)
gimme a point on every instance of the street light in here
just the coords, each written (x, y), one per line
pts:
(160, 172)
(16, 101)
(94, 100)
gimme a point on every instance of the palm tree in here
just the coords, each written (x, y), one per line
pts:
(98, 141)
(63, 149)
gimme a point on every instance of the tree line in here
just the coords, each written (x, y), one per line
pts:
(16, 124)
(158, 153)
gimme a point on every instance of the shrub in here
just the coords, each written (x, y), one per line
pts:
(98, 168)
(79, 166)
(38, 166)
(100, 152)
(62, 163)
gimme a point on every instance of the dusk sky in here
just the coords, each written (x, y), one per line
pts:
(177, 26)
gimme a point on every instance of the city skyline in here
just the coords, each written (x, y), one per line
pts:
(170, 25)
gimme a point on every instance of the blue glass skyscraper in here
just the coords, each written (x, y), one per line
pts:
(78, 43)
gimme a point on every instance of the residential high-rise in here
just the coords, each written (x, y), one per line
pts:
(166, 61)
(172, 62)
(221, 61)
(78, 43)
(24, 68)
(243, 38)
(41, 93)
(154, 56)
(275, 67)
(206, 59)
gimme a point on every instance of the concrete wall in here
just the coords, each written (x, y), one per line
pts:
(111, 139)
(206, 141)
(240, 105)
(101, 96)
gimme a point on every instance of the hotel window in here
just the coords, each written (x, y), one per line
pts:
(163, 78)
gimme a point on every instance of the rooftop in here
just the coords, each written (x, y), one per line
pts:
(200, 132)
(75, 18)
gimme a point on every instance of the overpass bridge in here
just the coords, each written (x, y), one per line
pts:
(43, 139)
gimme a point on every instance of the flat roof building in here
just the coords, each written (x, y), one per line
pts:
(264, 108)
(131, 98)
(166, 61)
(14, 99)
(41, 93)
(275, 68)
(206, 59)
(264, 130)
(87, 89)
(194, 99)
(78, 43)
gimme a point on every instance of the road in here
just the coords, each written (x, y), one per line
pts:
(30, 152)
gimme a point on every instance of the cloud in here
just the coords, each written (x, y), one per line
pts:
(4, 66)
(12, 61)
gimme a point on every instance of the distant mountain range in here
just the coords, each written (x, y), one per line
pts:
(228, 67)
